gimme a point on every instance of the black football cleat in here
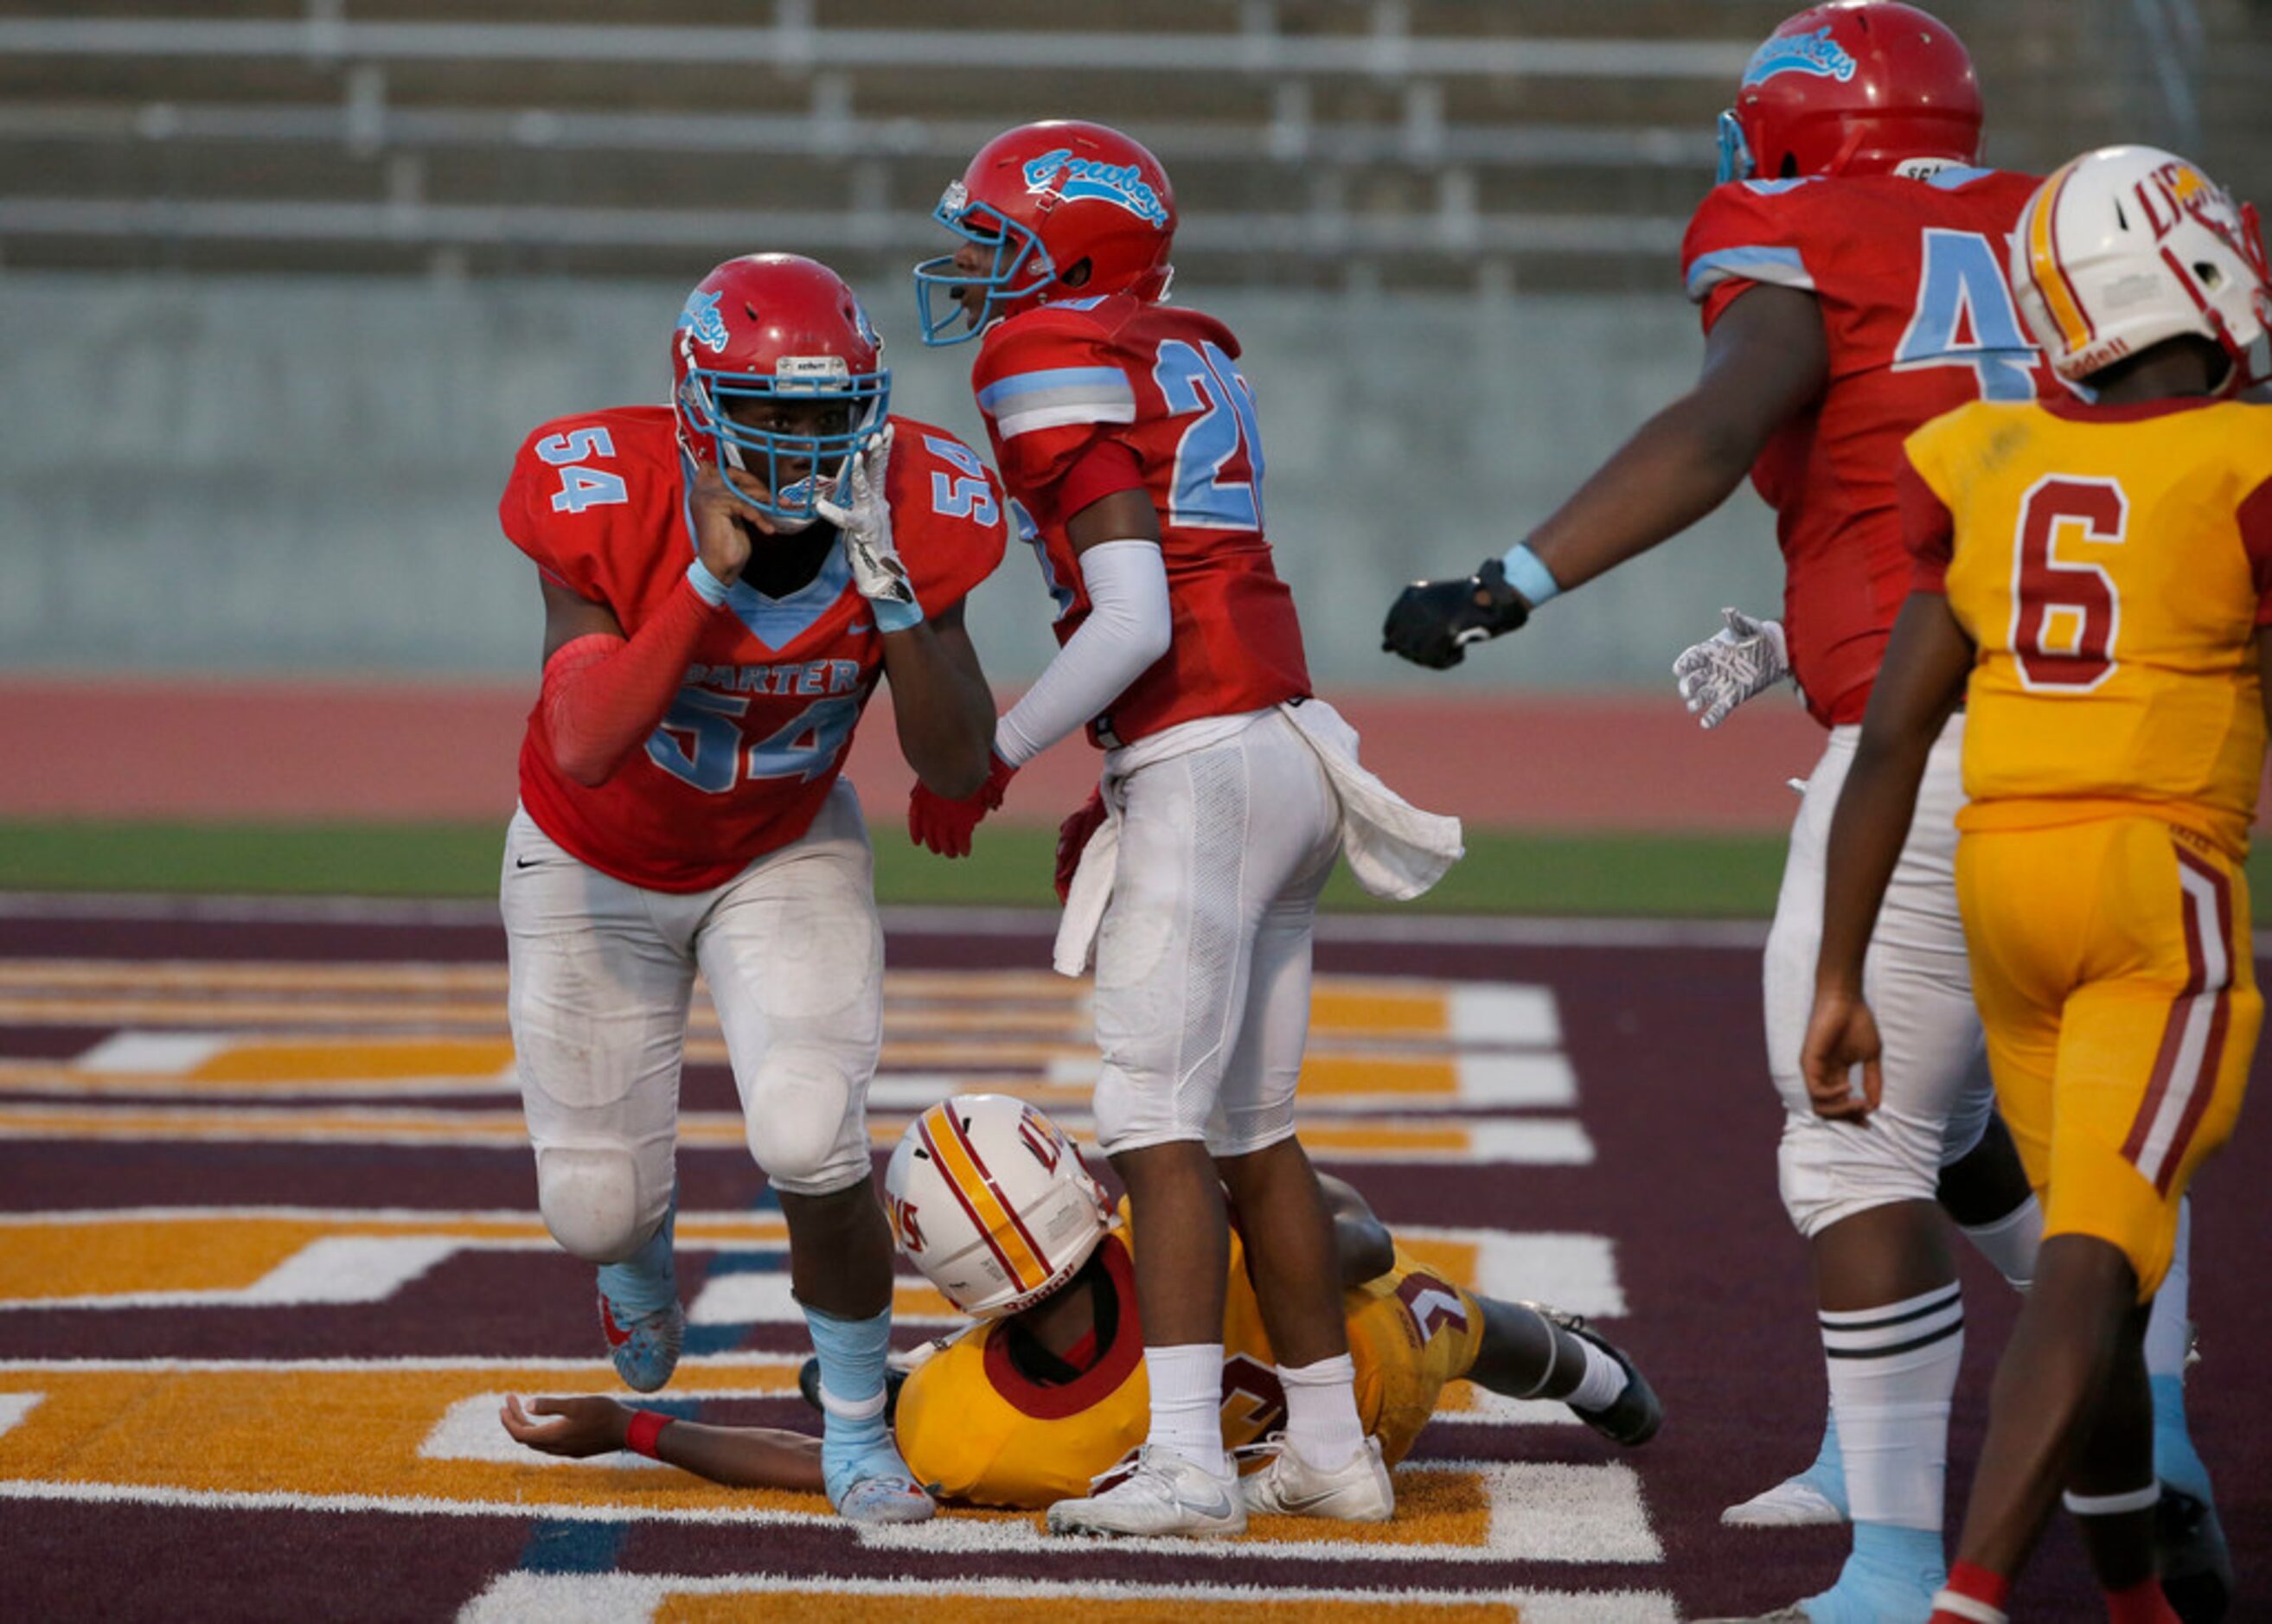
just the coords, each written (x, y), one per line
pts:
(1634, 1416)
(2196, 1568)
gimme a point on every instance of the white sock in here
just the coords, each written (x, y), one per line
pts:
(1187, 1403)
(1891, 1372)
(1603, 1380)
(2012, 1241)
(1321, 1422)
(2169, 1333)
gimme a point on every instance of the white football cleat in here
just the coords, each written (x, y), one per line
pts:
(1163, 1493)
(1357, 1491)
(1792, 1503)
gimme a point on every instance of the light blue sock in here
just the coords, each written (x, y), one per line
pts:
(1827, 1474)
(1891, 1576)
(852, 1355)
(646, 1282)
(2176, 1461)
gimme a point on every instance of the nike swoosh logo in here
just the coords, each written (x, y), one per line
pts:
(859, 629)
(524, 862)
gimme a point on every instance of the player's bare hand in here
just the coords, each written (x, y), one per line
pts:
(573, 1428)
(722, 521)
(1841, 1035)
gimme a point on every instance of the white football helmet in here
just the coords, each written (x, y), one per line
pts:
(990, 1199)
(2128, 246)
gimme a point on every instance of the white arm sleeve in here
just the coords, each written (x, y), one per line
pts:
(1127, 630)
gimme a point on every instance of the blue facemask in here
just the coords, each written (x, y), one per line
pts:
(823, 461)
(1021, 268)
(1736, 160)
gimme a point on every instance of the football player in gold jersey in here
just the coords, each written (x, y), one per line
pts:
(1045, 1392)
(2092, 579)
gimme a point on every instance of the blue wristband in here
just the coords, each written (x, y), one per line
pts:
(892, 616)
(713, 590)
(1533, 579)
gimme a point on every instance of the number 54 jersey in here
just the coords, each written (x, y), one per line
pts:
(2113, 566)
(741, 762)
(1917, 320)
(1090, 397)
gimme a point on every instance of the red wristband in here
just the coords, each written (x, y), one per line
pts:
(645, 1430)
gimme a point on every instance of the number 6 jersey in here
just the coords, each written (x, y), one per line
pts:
(741, 762)
(2112, 564)
(1917, 320)
(1088, 397)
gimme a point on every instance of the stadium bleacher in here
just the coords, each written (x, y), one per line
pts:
(1397, 143)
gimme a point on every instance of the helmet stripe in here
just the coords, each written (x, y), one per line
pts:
(966, 1175)
(2076, 328)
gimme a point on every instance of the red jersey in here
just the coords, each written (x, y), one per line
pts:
(1919, 320)
(741, 762)
(1095, 396)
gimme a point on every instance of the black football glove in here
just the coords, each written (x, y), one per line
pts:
(1431, 623)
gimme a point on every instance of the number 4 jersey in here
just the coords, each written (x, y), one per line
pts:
(2113, 565)
(741, 762)
(1918, 320)
(1091, 397)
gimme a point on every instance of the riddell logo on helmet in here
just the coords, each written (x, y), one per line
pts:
(1073, 178)
(1816, 53)
(701, 318)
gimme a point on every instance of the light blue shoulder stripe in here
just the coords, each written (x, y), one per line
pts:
(1781, 266)
(1109, 381)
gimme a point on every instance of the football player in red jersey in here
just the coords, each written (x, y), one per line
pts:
(1127, 436)
(725, 580)
(1850, 273)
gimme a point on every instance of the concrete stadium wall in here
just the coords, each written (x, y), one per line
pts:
(298, 475)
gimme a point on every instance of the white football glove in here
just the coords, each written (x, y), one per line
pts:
(865, 523)
(1747, 657)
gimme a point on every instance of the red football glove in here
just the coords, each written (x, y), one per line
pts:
(1072, 839)
(944, 825)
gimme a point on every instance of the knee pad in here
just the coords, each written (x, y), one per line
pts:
(806, 1128)
(591, 1202)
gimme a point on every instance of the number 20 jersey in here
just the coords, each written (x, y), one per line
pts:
(2113, 566)
(741, 762)
(1918, 320)
(1091, 396)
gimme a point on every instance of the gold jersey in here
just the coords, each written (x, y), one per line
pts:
(987, 1433)
(2112, 564)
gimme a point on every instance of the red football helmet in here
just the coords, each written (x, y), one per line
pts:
(778, 327)
(1068, 209)
(1852, 87)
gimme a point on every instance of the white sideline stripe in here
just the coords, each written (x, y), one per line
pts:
(1544, 1513)
(160, 1052)
(15, 1406)
(1505, 1012)
(333, 1268)
(1558, 1143)
(763, 1297)
(1570, 1507)
(1489, 1409)
(522, 1597)
(1477, 929)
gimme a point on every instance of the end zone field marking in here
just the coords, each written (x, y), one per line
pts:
(522, 1597)
(15, 1406)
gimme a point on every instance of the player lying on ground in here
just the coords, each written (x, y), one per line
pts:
(722, 592)
(1128, 439)
(1849, 272)
(1046, 1393)
(2092, 581)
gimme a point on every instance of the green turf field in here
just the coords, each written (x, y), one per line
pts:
(1503, 873)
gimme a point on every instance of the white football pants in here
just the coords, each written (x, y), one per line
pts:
(1938, 1095)
(1203, 956)
(602, 974)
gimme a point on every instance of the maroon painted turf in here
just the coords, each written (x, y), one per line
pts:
(1668, 1053)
